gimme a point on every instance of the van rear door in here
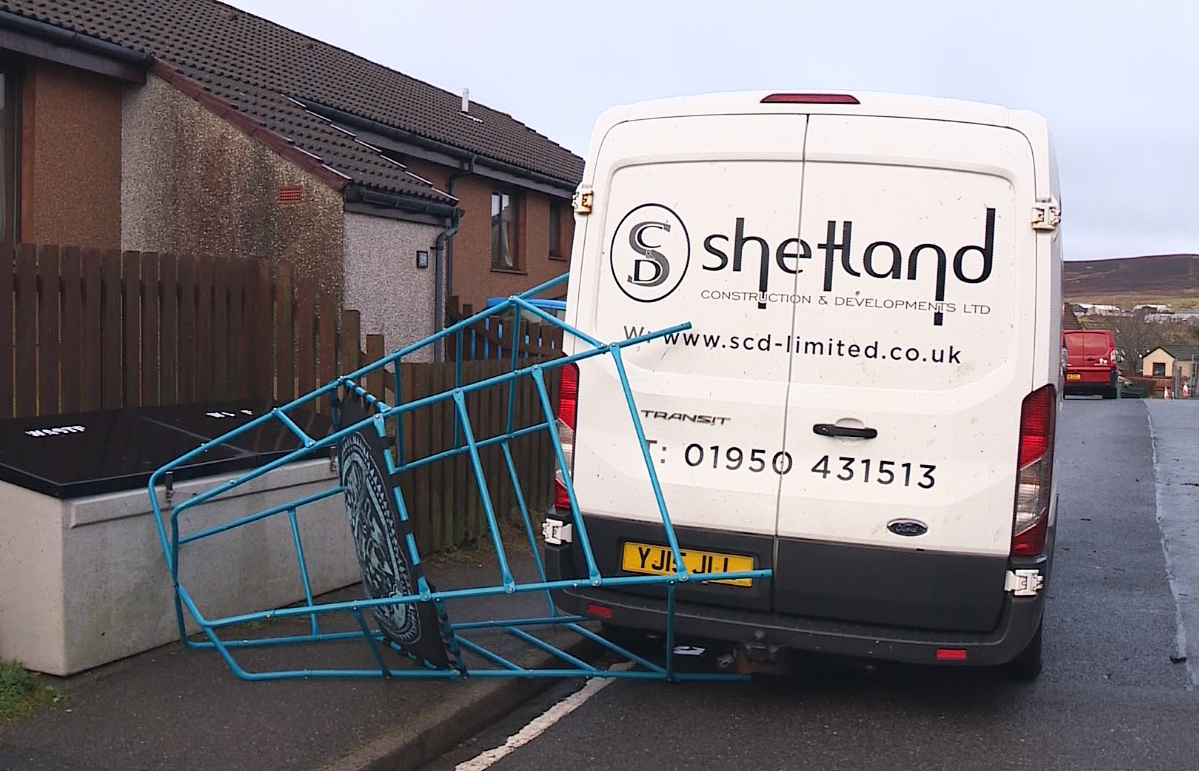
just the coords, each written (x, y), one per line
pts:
(680, 203)
(907, 371)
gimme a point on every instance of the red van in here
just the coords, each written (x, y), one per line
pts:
(1090, 362)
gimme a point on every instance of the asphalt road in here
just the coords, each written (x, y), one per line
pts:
(1116, 692)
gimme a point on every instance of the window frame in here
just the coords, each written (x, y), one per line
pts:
(10, 151)
(558, 250)
(514, 206)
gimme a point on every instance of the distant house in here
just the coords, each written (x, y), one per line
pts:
(1096, 309)
(1165, 360)
(189, 126)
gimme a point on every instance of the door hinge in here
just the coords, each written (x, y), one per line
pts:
(1046, 214)
(1024, 583)
(556, 532)
(582, 201)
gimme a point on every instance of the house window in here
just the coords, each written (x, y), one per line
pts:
(1159, 369)
(558, 251)
(505, 211)
(9, 105)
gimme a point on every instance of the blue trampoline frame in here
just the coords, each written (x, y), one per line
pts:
(465, 442)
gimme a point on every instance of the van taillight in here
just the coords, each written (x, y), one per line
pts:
(1034, 472)
(568, 404)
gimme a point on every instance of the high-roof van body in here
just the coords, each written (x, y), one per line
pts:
(865, 400)
(1091, 362)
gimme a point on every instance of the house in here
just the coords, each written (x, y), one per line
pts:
(1165, 360)
(192, 127)
(1070, 318)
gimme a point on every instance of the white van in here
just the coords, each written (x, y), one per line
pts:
(866, 399)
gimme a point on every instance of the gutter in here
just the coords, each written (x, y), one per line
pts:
(443, 254)
(357, 193)
(440, 248)
(71, 39)
(467, 168)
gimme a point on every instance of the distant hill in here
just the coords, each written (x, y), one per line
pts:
(1164, 277)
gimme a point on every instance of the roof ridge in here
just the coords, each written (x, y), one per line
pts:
(257, 65)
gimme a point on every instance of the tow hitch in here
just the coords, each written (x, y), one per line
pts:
(759, 657)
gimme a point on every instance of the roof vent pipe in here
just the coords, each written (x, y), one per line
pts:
(466, 100)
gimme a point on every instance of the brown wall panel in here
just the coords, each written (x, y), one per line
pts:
(71, 158)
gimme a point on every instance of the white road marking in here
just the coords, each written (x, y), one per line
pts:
(537, 726)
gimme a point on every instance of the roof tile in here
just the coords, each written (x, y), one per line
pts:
(266, 71)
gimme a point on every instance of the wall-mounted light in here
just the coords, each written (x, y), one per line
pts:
(422, 258)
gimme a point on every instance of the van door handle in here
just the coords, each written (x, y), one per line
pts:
(829, 429)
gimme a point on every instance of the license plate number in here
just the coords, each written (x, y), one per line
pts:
(1073, 376)
(659, 561)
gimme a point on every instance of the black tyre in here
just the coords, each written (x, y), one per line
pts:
(1109, 393)
(1026, 667)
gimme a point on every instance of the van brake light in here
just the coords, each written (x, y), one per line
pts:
(568, 405)
(1034, 472)
(810, 99)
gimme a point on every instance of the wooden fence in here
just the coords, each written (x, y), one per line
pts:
(491, 338)
(93, 330)
(450, 485)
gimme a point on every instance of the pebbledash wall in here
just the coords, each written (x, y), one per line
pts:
(383, 282)
(192, 183)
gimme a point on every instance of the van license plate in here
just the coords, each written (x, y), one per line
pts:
(659, 561)
(1073, 376)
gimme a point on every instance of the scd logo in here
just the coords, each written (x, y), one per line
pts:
(650, 253)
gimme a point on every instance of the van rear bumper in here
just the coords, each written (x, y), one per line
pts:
(910, 605)
(1015, 629)
(1083, 380)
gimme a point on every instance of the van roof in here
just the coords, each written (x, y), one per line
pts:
(870, 103)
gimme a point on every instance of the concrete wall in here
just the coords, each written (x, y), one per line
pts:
(192, 183)
(382, 282)
(474, 280)
(84, 582)
(70, 163)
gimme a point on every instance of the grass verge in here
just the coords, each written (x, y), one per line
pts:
(21, 694)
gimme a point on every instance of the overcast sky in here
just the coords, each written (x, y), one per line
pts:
(1118, 82)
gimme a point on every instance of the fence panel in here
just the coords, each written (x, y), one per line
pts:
(285, 337)
(48, 277)
(92, 341)
(185, 342)
(132, 307)
(168, 335)
(150, 329)
(8, 289)
(26, 341)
